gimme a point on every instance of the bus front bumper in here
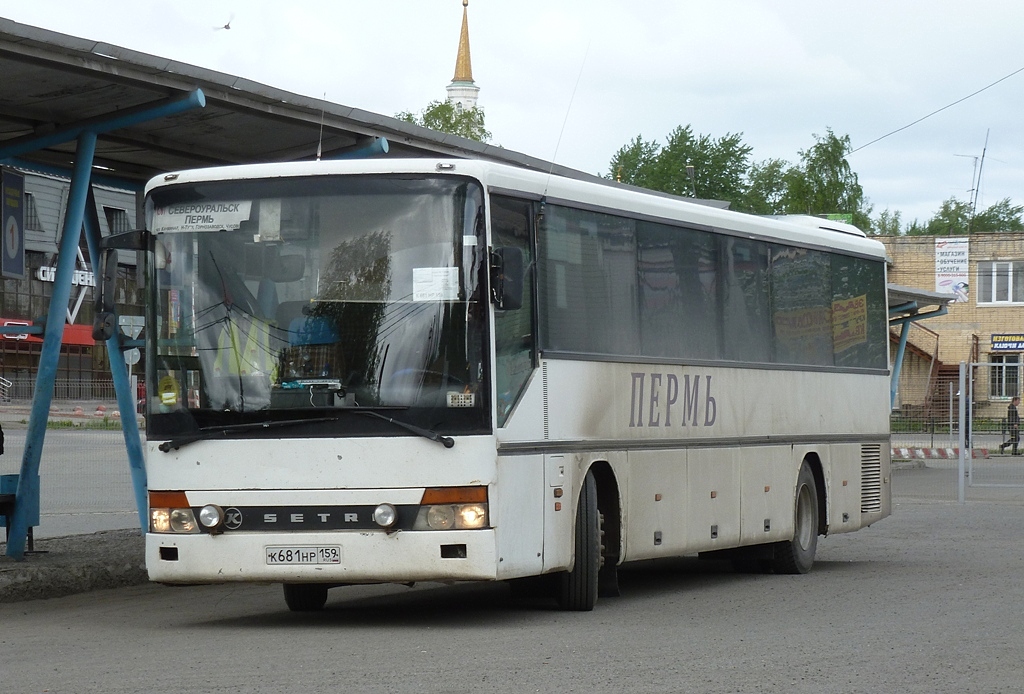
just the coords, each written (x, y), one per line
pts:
(329, 557)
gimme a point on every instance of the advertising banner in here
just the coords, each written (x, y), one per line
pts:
(12, 212)
(951, 266)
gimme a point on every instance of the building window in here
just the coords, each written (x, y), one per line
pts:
(1000, 282)
(117, 220)
(1004, 375)
(32, 222)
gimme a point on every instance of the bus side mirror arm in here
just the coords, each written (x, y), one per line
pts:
(507, 278)
(104, 322)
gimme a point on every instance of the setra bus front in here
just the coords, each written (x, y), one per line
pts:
(318, 369)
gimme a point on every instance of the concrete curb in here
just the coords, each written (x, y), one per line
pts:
(74, 564)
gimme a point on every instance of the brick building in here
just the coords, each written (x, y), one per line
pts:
(985, 325)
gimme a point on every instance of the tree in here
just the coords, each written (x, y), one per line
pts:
(956, 218)
(887, 224)
(633, 163)
(718, 166)
(999, 217)
(824, 183)
(766, 188)
(454, 119)
(952, 219)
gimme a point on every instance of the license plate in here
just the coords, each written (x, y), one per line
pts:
(329, 554)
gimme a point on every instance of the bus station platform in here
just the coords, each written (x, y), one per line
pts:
(75, 563)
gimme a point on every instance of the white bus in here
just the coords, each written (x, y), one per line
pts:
(392, 371)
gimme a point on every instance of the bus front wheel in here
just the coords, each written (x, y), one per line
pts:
(305, 597)
(796, 556)
(577, 588)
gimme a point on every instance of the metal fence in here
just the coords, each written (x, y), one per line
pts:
(23, 387)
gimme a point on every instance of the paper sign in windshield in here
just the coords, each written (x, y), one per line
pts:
(200, 216)
(435, 283)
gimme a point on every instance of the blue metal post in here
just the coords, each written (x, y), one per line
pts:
(122, 384)
(897, 366)
(28, 482)
(102, 124)
(378, 146)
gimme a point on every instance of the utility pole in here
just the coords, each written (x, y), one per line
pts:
(977, 184)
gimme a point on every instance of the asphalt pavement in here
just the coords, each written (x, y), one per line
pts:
(114, 558)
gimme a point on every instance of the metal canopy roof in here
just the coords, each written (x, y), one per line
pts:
(906, 302)
(52, 80)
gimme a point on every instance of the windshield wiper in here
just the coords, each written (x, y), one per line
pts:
(446, 441)
(212, 432)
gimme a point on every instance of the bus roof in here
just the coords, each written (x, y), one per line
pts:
(800, 230)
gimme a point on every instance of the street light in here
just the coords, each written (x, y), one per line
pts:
(692, 177)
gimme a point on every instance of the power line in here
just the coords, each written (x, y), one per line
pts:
(1001, 79)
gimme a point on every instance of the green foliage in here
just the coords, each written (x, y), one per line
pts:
(766, 188)
(999, 217)
(718, 165)
(634, 162)
(952, 219)
(454, 119)
(824, 183)
(887, 223)
(955, 218)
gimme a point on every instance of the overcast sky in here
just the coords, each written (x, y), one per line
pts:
(574, 80)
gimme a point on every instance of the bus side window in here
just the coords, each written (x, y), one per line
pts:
(514, 343)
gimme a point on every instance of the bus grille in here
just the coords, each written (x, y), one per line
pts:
(871, 478)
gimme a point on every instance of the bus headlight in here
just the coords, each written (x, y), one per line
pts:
(172, 520)
(441, 517)
(471, 516)
(452, 517)
(453, 508)
(169, 512)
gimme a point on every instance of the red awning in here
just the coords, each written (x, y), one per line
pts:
(73, 334)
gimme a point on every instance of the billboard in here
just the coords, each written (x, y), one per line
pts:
(12, 212)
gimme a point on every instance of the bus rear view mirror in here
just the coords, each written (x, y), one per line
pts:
(104, 321)
(507, 277)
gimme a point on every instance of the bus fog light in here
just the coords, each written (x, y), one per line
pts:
(385, 515)
(472, 516)
(441, 517)
(211, 516)
(183, 521)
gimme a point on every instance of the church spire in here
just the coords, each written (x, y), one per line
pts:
(463, 91)
(463, 64)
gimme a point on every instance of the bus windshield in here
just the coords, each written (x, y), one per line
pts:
(282, 299)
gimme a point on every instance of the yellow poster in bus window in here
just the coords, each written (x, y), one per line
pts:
(801, 324)
(849, 322)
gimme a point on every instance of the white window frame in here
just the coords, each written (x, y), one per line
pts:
(991, 269)
(999, 362)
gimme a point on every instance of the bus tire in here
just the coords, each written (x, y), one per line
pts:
(305, 597)
(796, 556)
(577, 588)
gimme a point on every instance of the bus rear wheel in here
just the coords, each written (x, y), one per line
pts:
(577, 588)
(796, 556)
(305, 597)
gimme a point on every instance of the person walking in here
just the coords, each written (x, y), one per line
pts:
(1013, 425)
